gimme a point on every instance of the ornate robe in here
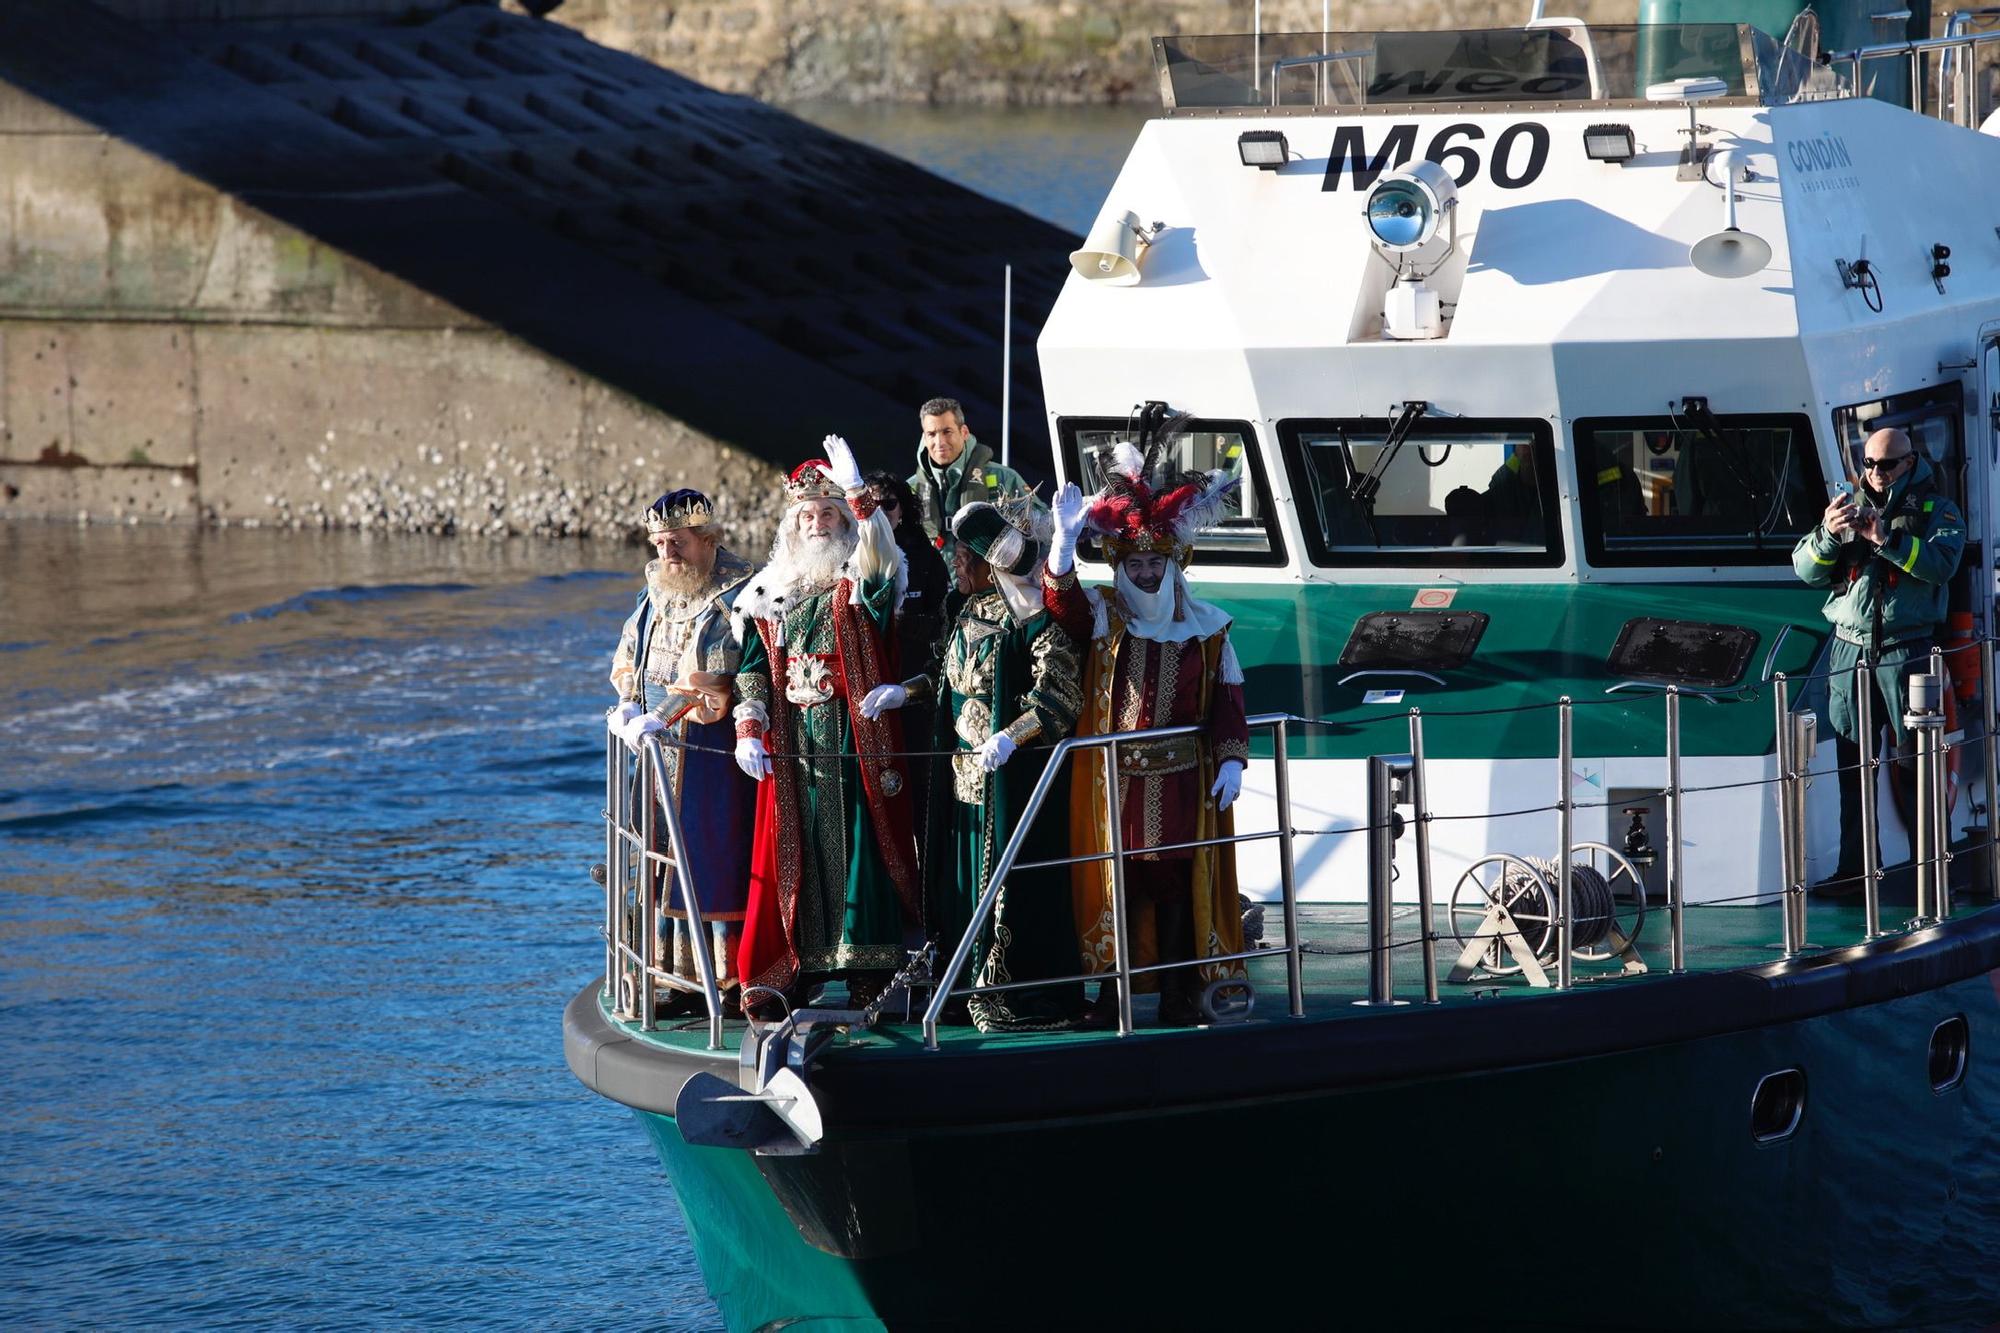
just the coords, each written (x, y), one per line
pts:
(1132, 683)
(1001, 672)
(833, 874)
(667, 640)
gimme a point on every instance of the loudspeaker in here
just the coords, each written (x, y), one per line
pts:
(1730, 254)
(1112, 251)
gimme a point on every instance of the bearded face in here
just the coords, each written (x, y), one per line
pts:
(813, 543)
(687, 557)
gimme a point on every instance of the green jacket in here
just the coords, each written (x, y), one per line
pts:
(973, 475)
(1906, 581)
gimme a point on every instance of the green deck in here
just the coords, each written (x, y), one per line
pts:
(1718, 938)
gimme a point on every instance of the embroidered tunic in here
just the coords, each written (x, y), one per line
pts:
(1020, 678)
(833, 873)
(1130, 684)
(667, 639)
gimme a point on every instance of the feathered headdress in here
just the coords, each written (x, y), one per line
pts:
(1133, 515)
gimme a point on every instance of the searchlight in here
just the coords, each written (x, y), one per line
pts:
(1404, 211)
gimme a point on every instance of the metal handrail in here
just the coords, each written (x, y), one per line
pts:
(1003, 866)
(1293, 62)
(1914, 50)
(619, 952)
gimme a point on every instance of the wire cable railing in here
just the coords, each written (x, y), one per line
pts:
(646, 846)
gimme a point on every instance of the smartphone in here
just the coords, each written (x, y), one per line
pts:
(1845, 488)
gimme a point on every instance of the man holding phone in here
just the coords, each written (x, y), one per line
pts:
(1886, 558)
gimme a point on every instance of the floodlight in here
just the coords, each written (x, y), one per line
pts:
(1406, 206)
(1264, 149)
(1609, 143)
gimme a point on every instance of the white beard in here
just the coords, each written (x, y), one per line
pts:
(798, 569)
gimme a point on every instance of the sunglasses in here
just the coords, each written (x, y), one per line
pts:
(1882, 464)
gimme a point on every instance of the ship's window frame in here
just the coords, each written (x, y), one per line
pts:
(1291, 447)
(1943, 402)
(1584, 456)
(1068, 428)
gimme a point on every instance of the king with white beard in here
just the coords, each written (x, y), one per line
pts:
(833, 879)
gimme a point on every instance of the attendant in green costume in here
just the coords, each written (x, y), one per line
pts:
(1006, 690)
(833, 881)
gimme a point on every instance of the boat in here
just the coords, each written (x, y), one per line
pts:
(1535, 350)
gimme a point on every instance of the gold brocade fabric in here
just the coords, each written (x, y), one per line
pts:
(1218, 919)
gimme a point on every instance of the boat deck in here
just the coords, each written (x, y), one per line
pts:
(1718, 939)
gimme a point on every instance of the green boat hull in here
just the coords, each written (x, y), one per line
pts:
(1622, 1188)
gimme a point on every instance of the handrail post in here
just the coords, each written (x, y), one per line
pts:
(1788, 871)
(1805, 739)
(613, 846)
(1287, 871)
(1420, 812)
(1940, 793)
(1383, 770)
(1565, 840)
(1676, 908)
(649, 897)
(1121, 930)
(1986, 690)
(704, 960)
(1871, 853)
(1923, 722)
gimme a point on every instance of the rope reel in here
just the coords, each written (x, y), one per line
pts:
(1504, 913)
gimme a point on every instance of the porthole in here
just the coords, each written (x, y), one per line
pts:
(1778, 1105)
(1951, 1044)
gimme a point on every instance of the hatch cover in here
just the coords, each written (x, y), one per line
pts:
(1415, 640)
(1683, 652)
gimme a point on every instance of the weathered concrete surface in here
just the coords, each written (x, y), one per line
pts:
(468, 273)
(999, 51)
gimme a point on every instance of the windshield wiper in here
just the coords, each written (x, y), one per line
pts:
(1362, 489)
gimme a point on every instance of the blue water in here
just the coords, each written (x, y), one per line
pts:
(294, 832)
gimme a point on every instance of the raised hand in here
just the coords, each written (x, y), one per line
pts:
(1069, 508)
(840, 463)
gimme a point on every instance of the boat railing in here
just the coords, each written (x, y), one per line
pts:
(1395, 780)
(647, 849)
(636, 886)
(1955, 92)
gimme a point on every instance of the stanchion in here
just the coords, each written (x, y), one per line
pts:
(1676, 906)
(1788, 872)
(1565, 841)
(1925, 721)
(1420, 811)
(1288, 872)
(1383, 771)
(1871, 851)
(1992, 749)
(1121, 931)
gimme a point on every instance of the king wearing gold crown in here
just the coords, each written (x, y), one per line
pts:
(1158, 657)
(833, 878)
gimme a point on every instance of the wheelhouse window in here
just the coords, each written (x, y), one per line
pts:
(1245, 534)
(1449, 491)
(1696, 489)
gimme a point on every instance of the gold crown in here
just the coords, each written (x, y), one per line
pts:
(812, 480)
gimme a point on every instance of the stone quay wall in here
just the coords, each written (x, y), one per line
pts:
(992, 51)
(168, 352)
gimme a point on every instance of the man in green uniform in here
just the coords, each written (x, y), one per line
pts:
(1888, 562)
(1007, 689)
(954, 469)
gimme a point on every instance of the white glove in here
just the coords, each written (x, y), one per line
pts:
(1228, 783)
(883, 698)
(996, 750)
(840, 462)
(623, 713)
(639, 726)
(1069, 509)
(750, 757)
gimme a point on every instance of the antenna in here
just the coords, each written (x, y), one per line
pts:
(1006, 362)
